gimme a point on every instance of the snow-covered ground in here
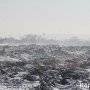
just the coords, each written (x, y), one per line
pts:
(8, 58)
(24, 86)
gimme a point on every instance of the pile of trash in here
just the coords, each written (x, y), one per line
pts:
(30, 77)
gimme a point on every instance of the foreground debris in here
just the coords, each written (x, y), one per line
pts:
(44, 68)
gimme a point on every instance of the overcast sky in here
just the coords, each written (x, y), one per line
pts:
(20, 17)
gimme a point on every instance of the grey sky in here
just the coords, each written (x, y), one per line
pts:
(19, 17)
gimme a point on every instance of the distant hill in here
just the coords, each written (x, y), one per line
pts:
(74, 41)
(40, 40)
(28, 39)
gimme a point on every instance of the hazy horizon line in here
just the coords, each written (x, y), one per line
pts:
(52, 36)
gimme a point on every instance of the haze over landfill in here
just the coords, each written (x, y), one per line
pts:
(62, 17)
